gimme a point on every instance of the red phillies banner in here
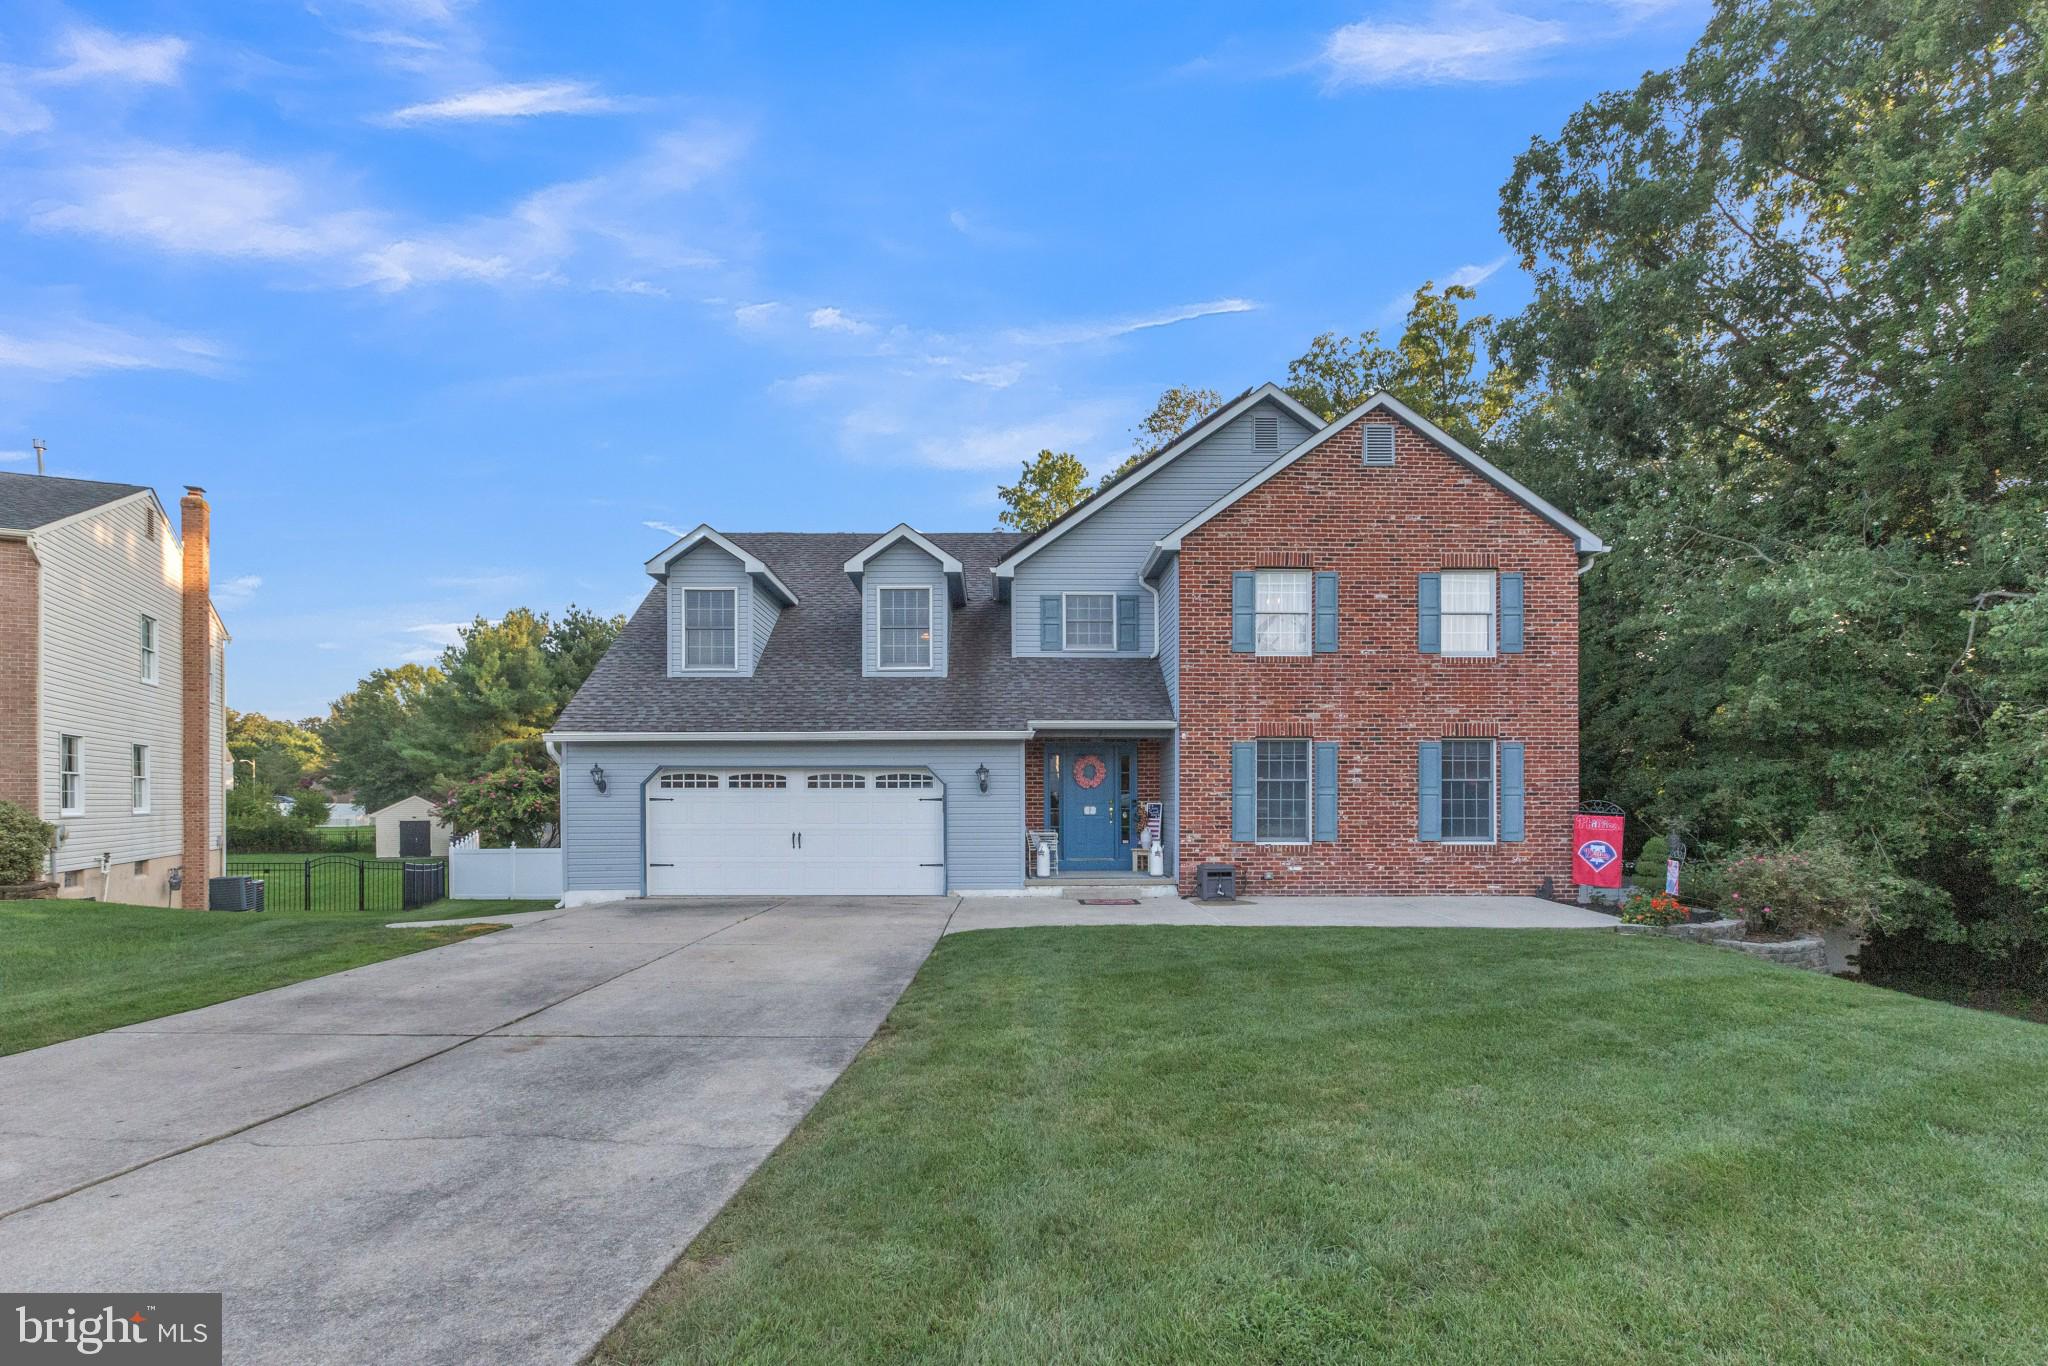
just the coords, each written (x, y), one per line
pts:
(1596, 850)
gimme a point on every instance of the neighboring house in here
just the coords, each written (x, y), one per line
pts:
(340, 814)
(113, 725)
(410, 828)
(1341, 657)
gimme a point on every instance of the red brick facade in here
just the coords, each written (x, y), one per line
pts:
(1378, 697)
(196, 656)
(20, 647)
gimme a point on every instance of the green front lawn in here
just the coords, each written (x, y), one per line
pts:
(1296, 1145)
(69, 968)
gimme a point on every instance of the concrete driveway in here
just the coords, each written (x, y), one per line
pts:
(483, 1152)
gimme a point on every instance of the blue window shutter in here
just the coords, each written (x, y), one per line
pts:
(1429, 614)
(1326, 614)
(1049, 622)
(1127, 623)
(1326, 793)
(1244, 612)
(1511, 793)
(1511, 614)
(1244, 791)
(1429, 791)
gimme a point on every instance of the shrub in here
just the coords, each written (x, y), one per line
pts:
(1651, 908)
(515, 805)
(1815, 887)
(25, 843)
(1650, 863)
(311, 806)
(256, 826)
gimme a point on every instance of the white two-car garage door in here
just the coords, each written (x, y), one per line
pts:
(783, 831)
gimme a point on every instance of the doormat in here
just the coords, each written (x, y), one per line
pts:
(1110, 901)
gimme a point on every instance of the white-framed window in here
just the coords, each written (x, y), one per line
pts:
(1469, 790)
(819, 781)
(711, 628)
(138, 778)
(1090, 621)
(904, 780)
(1286, 598)
(1285, 795)
(148, 633)
(903, 620)
(691, 781)
(1468, 612)
(70, 775)
(758, 780)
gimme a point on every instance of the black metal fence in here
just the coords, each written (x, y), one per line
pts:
(339, 882)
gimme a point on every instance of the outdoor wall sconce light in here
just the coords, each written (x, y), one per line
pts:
(981, 776)
(597, 776)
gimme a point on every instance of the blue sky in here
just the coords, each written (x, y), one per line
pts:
(455, 307)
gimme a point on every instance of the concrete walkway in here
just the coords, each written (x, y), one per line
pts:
(1465, 912)
(484, 1152)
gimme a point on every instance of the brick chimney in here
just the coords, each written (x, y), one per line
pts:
(195, 653)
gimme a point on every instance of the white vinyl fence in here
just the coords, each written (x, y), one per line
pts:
(515, 874)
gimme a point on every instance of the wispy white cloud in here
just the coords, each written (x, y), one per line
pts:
(1478, 274)
(225, 205)
(513, 100)
(1066, 334)
(832, 320)
(677, 532)
(1001, 447)
(754, 317)
(994, 376)
(979, 229)
(19, 113)
(1454, 42)
(237, 591)
(70, 349)
(12, 457)
(442, 633)
(93, 54)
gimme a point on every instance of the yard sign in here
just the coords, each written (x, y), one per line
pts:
(1596, 850)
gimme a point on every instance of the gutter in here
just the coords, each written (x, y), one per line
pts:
(735, 736)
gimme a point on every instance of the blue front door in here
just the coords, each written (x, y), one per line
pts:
(1090, 789)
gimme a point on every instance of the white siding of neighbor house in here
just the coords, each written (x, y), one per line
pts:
(1169, 633)
(100, 573)
(601, 832)
(902, 565)
(706, 566)
(1104, 552)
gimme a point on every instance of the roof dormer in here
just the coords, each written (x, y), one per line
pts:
(956, 580)
(759, 572)
(723, 603)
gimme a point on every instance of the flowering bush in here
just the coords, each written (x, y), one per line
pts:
(516, 805)
(1819, 887)
(1651, 908)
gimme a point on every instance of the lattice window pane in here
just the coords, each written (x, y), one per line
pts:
(1091, 621)
(710, 637)
(758, 780)
(905, 616)
(1468, 612)
(903, 780)
(1468, 790)
(818, 781)
(1284, 596)
(1283, 790)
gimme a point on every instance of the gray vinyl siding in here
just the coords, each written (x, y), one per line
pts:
(706, 566)
(601, 832)
(902, 565)
(100, 573)
(766, 611)
(1103, 552)
(1169, 633)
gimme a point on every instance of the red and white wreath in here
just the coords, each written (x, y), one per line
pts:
(1089, 771)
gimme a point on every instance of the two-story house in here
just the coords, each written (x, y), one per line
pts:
(113, 724)
(1342, 657)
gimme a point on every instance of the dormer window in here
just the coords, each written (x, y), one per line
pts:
(710, 630)
(904, 618)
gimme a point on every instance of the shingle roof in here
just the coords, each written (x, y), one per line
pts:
(28, 501)
(809, 677)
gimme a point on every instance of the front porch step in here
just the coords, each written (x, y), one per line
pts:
(1125, 885)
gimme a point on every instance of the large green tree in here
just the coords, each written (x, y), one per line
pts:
(363, 732)
(1047, 486)
(1788, 340)
(274, 756)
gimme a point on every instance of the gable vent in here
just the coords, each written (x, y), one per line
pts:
(1379, 445)
(1265, 431)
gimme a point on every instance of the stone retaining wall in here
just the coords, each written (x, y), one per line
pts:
(1810, 954)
